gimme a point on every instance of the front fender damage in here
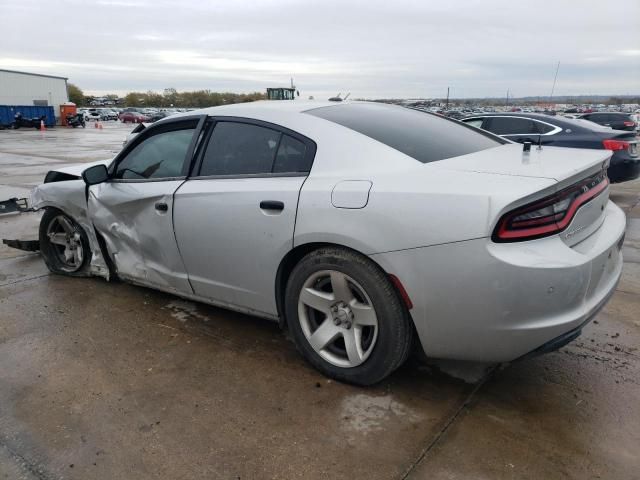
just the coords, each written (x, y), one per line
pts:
(70, 198)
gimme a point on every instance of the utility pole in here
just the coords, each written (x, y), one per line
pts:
(506, 103)
(554, 83)
(447, 106)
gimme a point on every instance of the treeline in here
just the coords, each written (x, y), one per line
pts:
(170, 97)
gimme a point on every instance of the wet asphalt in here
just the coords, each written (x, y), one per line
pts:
(103, 380)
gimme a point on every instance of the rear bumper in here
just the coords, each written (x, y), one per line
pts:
(623, 167)
(482, 301)
(568, 337)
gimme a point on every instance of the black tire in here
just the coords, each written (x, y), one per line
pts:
(395, 329)
(51, 252)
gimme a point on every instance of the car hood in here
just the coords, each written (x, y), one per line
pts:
(555, 163)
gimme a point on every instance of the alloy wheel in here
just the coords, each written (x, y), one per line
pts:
(337, 318)
(66, 241)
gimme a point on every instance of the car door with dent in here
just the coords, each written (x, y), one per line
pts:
(234, 220)
(133, 210)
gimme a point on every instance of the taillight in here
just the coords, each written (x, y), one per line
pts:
(629, 124)
(615, 145)
(550, 215)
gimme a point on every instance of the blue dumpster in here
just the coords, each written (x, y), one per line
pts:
(7, 112)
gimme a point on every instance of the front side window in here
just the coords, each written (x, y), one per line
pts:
(159, 156)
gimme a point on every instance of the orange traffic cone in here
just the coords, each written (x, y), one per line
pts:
(99, 124)
(42, 127)
(96, 124)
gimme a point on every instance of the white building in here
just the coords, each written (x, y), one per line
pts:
(22, 88)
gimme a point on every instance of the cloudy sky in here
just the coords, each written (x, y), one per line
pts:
(371, 48)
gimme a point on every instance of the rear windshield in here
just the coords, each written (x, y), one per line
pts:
(423, 136)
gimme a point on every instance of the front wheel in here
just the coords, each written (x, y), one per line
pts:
(63, 243)
(346, 317)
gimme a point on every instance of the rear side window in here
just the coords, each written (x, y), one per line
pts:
(291, 156)
(423, 136)
(240, 149)
(542, 127)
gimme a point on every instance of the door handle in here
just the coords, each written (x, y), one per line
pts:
(271, 205)
(162, 207)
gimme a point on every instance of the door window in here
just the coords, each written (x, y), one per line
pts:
(159, 156)
(510, 126)
(240, 149)
(292, 157)
(541, 128)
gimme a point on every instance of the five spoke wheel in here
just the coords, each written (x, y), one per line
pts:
(338, 318)
(66, 242)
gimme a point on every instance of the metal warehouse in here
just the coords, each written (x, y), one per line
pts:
(32, 90)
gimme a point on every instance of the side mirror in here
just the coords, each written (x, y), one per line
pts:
(95, 175)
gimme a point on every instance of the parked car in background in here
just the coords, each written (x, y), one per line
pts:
(357, 225)
(133, 117)
(92, 114)
(158, 116)
(564, 132)
(107, 114)
(615, 120)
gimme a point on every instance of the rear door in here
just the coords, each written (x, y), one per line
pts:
(133, 210)
(234, 220)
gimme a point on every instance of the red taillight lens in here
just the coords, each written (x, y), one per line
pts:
(550, 215)
(629, 124)
(615, 145)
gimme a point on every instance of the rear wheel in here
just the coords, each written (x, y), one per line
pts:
(63, 243)
(346, 317)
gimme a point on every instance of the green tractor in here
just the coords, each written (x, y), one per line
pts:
(282, 93)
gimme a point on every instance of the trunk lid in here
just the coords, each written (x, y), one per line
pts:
(564, 165)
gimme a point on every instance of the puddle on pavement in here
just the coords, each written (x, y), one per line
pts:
(183, 310)
(364, 413)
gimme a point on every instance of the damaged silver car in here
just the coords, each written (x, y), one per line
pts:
(360, 226)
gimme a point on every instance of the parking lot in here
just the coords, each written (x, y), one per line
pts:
(105, 380)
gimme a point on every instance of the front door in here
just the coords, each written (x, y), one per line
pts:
(234, 221)
(133, 211)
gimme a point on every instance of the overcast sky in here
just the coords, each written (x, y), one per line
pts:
(373, 49)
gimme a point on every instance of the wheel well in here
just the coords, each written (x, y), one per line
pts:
(291, 259)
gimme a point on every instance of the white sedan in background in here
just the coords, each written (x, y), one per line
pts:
(358, 226)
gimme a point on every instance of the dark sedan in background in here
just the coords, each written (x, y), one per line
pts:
(563, 132)
(615, 120)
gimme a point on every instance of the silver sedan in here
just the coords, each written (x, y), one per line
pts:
(357, 226)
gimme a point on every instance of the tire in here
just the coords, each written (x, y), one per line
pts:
(373, 324)
(64, 244)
